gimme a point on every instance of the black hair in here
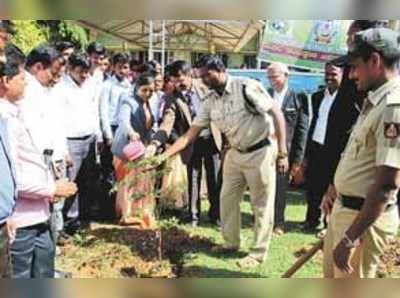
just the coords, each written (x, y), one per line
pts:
(211, 62)
(154, 63)
(179, 67)
(134, 63)
(144, 79)
(167, 73)
(7, 26)
(147, 68)
(9, 69)
(368, 24)
(64, 45)
(44, 54)
(365, 52)
(331, 64)
(79, 59)
(120, 58)
(96, 48)
(14, 54)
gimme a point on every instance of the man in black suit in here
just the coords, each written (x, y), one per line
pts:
(316, 158)
(295, 109)
(344, 112)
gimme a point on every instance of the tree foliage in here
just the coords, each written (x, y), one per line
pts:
(66, 30)
(74, 33)
(29, 34)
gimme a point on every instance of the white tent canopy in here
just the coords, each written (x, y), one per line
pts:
(207, 35)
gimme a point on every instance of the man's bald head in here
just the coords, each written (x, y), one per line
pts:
(278, 75)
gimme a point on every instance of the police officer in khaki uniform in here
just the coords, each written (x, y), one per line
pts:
(364, 216)
(242, 110)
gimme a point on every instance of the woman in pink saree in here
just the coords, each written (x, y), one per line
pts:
(135, 202)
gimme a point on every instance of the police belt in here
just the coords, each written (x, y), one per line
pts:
(255, 147)
(356, 203)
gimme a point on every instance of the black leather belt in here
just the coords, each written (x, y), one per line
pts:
(41, 226)
(356, 203)
(256, 147)
(80, 138)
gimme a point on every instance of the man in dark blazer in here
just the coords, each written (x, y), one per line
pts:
(316, 159)
(180, 111)
(295, 109)
(345, 110)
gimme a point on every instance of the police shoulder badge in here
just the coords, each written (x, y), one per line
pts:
(392, 130)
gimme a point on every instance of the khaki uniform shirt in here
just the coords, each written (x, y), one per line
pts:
(374, 142)
(230, 115)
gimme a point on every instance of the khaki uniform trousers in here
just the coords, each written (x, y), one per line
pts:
(258, 171)
(366, 256)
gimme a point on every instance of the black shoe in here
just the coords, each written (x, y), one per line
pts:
(194, 222)
(310, 228)
(85, 225)
(215, 222)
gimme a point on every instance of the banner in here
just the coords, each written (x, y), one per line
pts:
(305, 44)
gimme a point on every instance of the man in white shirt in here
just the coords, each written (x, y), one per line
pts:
(83, 131)
(32, 251)
(317, 178)
(96, 52)
(110, 96)
(44, 117)
(110, 100)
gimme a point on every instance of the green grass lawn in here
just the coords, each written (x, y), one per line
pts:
(109, 250)
(281, 255)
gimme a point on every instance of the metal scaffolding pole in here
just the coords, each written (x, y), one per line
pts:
(163, 37)
(151, 37)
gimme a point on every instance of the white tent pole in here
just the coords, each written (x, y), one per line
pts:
(163, 46)
(151, 53)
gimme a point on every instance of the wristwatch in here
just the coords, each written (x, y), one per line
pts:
(350, 243)
(282, 155)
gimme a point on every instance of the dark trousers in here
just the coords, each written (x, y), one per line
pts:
(282, 184)
(204, 152)
(106, 182)
(77, 208)
(4, 253)
(33, 253)
(317, 182)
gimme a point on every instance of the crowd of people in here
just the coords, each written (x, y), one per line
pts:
(73, 123)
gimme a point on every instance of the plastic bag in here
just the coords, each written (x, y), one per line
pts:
(174, 184)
